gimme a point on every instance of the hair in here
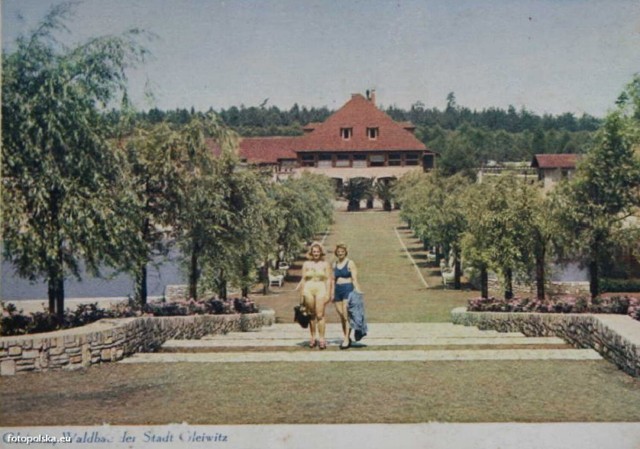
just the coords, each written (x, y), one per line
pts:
(343, 246)
(319, 245)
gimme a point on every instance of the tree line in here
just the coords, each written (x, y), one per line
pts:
(85, 187)
(509, 226)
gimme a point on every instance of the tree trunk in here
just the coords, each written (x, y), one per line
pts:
(508, 283)
(55, 273)
(264, 277)
(540, 277)
(425, 244)
(484, 282)
(387, 205)
(222, 285)
(457, 272)
(194, 274)
(245, 276)
(594, 284)
(369, 204)
(55, 291)
(141, 284)
(141, 274)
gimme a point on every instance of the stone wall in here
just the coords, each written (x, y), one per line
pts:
(615, 337)
(110, 340)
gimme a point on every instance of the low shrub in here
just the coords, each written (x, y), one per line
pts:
(624, 305)
(16, 322)
(620, 285)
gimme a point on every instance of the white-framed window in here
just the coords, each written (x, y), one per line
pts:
(372, 133)
(346, 133)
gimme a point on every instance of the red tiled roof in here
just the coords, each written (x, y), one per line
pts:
(555, 160)
(268, 150)
(359, 114)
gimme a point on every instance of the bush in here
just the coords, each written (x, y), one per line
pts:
(623, 305)
(620, 285)
(16, 322)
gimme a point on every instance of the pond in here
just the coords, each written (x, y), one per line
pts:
(14, 288)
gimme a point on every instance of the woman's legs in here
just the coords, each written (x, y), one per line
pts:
(320, 306)
(310, 303)
(341, 308)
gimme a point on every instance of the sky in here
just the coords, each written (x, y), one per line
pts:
(549, 56)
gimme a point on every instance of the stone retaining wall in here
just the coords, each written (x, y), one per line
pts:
(580, 330)
(109, 340)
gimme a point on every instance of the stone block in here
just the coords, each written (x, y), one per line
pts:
(57, 350)
(15, 350)
(86, 355)
(21, 368)
(27, 344)
(105, 355)
(75, 359)
(30, 354)
(7, 368)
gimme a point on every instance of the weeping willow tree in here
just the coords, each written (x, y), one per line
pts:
(61, 180)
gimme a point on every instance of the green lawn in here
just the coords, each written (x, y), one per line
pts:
(376, 392)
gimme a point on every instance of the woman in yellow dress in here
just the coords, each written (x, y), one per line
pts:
(316, 276)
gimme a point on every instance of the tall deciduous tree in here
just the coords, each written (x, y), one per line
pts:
(60, 177)
(605, 192)
(156, 157)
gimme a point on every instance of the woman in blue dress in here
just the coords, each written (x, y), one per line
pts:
(344, 281)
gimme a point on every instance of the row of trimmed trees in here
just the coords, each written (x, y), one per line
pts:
(358, 189)
(79, 190)
(509, 226)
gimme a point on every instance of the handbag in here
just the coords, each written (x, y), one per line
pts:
(301, 316)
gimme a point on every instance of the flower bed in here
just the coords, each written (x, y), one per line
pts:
(622, 304)
(15, 322)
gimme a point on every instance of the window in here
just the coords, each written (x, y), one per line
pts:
(372, 133)
(564, 173)
(411, 159)
(359, 160)
(346, 133)
(324, 160)
(342, 160)
(308, 160)
(377, 160)
(395, 159)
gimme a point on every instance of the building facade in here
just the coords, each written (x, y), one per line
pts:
(358, 140)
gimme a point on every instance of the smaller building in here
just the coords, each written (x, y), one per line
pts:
(552, 168)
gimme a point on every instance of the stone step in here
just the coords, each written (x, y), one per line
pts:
(376, 330)
(231, 342)
(354, 355)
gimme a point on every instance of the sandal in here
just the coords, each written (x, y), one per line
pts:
(347, 346)
(313, 343)
(323, 344)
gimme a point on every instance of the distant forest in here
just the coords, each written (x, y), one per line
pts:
(464, 137)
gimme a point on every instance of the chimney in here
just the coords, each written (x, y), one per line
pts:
(372, 96)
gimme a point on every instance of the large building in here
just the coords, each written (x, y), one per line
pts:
(358, 140)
